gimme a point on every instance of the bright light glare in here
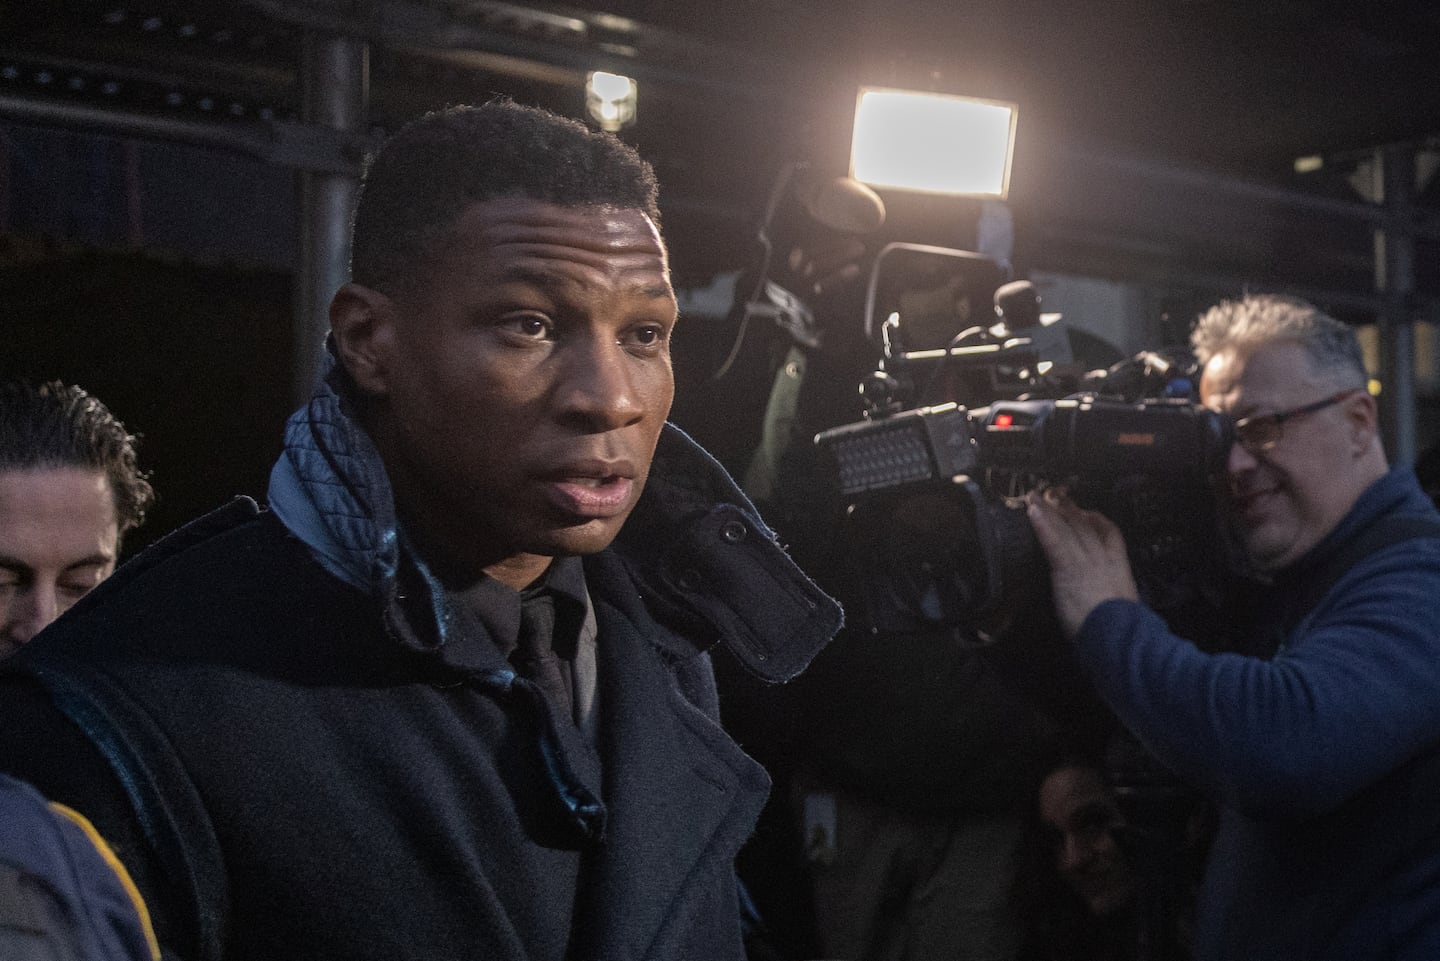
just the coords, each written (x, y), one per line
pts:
(611, 99)
(933, 142)
(611, 86)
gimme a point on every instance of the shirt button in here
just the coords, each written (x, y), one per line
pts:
(734, 532)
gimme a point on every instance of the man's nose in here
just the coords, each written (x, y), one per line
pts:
(601, 385)
(29, 613)
(1239, 460)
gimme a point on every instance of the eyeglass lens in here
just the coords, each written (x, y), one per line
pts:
(1259, 433)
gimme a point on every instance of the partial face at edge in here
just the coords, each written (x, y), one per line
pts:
(58, 539)
(524, 381)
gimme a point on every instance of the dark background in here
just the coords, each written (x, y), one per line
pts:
(1156, 147)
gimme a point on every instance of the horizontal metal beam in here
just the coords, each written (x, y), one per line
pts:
(295, 146)
(1069, 253)
(395, 24)
(1216, 184)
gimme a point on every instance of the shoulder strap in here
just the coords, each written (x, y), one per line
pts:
(1384, 533)
(166, 804)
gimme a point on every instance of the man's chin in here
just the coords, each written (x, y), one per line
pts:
(591, 537)
(1264, 551)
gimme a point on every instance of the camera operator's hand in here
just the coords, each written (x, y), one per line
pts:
(1088, 562)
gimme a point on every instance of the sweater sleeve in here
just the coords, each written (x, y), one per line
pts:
(1354, 695)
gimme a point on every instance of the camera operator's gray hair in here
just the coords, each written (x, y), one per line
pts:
(1256, 320)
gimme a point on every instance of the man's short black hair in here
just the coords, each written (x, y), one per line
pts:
(58, 425)
(435, 168)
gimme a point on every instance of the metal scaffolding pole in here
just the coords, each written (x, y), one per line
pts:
(334, 81)
(1395, 280)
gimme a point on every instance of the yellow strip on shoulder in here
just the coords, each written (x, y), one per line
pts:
(115, 865)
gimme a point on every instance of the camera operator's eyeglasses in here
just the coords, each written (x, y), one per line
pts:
(1263, 432)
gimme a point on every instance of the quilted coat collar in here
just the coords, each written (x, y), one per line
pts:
(695, 544)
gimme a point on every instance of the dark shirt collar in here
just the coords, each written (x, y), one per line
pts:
(565, 578)
(497, 606)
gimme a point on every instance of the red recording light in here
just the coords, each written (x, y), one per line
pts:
(1004, 420)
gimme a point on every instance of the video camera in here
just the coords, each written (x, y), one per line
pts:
(931, 491)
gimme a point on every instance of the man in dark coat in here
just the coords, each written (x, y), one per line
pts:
(449, 697)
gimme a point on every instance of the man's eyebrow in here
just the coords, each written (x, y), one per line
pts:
(544, 277)
(13, 564)
(100, 559)
(658, 291)
(94, 560)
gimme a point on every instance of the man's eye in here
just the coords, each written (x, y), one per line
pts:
(77, 587)
(533, 326)
(649, 335)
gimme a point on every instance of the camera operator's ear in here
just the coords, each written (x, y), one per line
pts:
(362, 323)
(1362, 416)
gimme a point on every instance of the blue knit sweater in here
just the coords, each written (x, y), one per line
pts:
(1325, 758)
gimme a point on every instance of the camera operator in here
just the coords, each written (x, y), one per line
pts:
(1323, 744)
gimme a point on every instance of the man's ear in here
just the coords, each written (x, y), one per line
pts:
(362, 324)
(1362, 414)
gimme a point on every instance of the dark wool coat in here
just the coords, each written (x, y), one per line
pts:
(309, 785)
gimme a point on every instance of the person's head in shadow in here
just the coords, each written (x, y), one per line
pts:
(1115, 856)
(1079, 885)
(1081, 824)
(70, 487)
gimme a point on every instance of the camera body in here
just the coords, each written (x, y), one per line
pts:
(979, 397)
(931, 499)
